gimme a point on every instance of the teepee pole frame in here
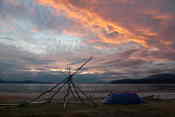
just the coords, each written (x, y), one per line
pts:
(71, 89)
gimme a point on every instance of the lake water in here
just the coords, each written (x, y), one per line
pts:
(163, 91)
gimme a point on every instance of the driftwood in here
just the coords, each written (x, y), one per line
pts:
(71, 90)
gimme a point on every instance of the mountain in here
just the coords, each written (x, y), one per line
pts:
(153, 79)
(25, 81)
(50, 78)
(1, 80)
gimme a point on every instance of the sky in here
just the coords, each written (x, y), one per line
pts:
(126, 38)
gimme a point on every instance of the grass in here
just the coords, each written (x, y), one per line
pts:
(150, 109)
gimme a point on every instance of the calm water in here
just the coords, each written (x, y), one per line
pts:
(164, 91)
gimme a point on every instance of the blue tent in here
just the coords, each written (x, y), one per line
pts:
(123, 98)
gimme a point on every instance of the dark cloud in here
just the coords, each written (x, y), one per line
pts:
(41, 17)
(15, 60)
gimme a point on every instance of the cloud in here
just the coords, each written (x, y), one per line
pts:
(147, 23)
(124, 36)
(42, 18)
(15, 60)
(106, 17)
(92, 20)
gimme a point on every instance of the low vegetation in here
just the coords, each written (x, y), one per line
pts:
(149, 109)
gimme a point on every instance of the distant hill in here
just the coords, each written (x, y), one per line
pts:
(53, 77)
(43, 82)
(153, 79)
(25, 81)
(43, 79)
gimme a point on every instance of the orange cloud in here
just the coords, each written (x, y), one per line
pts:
(160, 16)
(35, 30)
(76, 30)
(94, 22)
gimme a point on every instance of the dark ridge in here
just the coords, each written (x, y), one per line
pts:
(153, 79)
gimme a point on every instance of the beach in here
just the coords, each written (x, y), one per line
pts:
(24, 92)
(161, 104)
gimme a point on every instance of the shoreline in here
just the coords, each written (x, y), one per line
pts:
(18, 97)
